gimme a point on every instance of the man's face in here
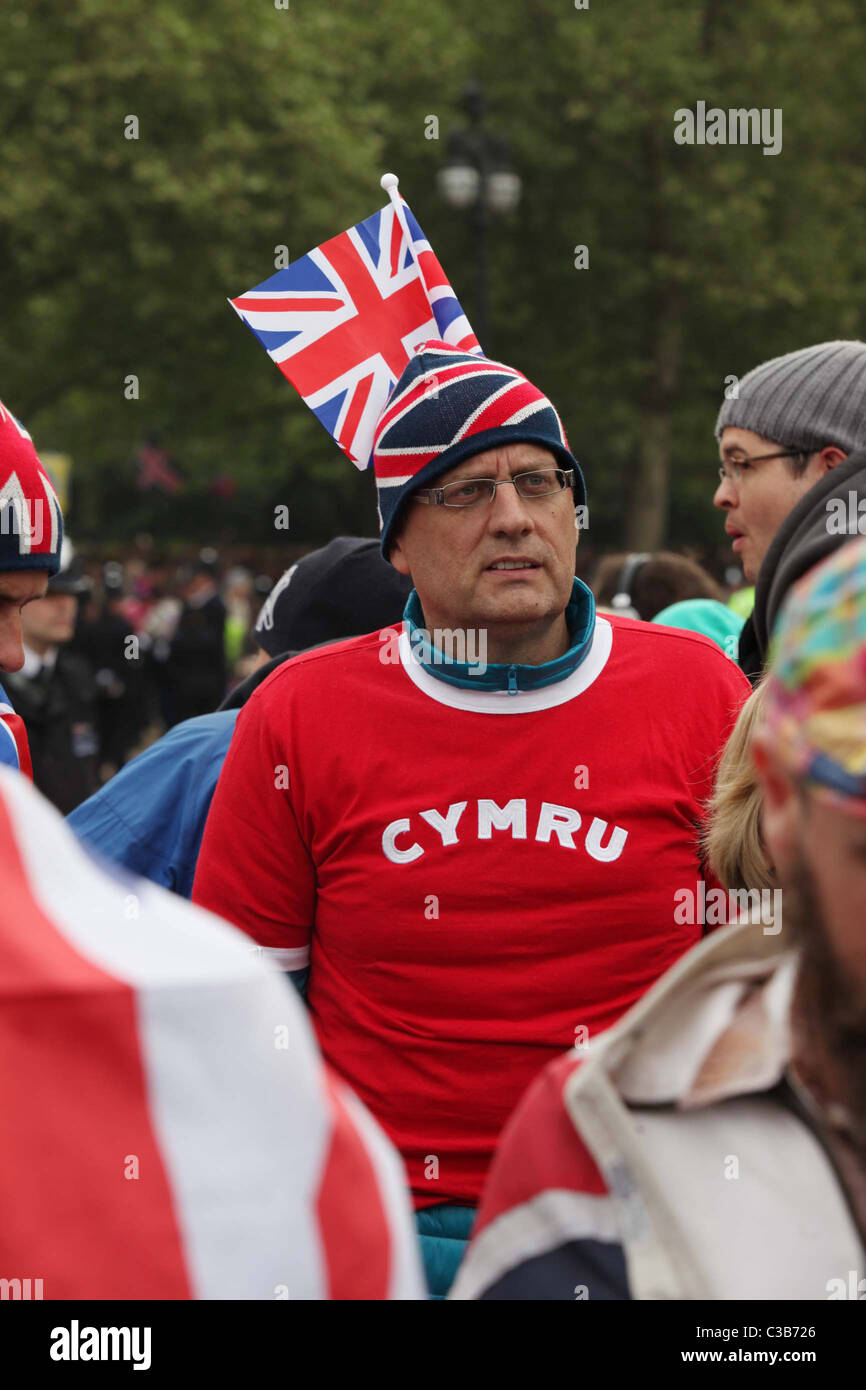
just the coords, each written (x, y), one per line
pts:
(17, 589)
(823, 903)
(832, 850)
(50, 621)
(197, 586)
(820, 858)
(452, 554)
(757, 504)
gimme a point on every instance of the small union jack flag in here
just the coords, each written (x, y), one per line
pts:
(155, 470)
(342, 322)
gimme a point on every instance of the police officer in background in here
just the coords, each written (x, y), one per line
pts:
(54, 692)
(195, 678)
(106, 638)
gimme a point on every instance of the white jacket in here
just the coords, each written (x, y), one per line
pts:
(717, 1184)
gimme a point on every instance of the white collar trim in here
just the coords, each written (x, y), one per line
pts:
(33, 664)
(499, 701)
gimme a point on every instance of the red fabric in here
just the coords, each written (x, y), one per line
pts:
(352, 1222)
(440, 987)
(73, 1107)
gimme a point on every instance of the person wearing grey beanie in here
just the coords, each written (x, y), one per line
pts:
(792, 436)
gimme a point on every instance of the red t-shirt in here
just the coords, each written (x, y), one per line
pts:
(478, 877)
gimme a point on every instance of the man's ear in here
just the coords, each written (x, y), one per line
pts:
(397, 557)
(781, 808)
(831, 457)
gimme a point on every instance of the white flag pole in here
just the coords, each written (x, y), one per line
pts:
(390, 183)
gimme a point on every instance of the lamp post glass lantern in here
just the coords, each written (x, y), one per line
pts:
(503, 190)
(459, 184)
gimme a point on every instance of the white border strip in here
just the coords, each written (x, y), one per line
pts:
(499, 701)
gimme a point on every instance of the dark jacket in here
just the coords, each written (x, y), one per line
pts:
(801, 542)
(59, 713)
(120, 683)
(196, 674)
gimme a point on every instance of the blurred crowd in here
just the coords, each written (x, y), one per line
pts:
(119, 652)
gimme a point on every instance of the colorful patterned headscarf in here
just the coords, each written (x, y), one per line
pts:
(815, 709)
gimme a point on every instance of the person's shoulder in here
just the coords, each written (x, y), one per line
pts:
(660, 638)
(675, 649)
(185, 750)
(539, 1148)
(194, 741)
(201, 729)
(681, 1014)
(322, 664)
(546, 1215)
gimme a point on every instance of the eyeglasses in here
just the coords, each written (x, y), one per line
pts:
(734, 471)
(468, 492)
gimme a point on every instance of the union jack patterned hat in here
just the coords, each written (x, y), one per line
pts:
(447, 406)
(31, 523)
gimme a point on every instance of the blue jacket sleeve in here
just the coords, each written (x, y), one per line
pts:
(150, 817)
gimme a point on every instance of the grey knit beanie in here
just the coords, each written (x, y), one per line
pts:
(808, 399)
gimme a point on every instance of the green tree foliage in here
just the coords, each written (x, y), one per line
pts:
(257, 128)
(261, 127)
(704, 259)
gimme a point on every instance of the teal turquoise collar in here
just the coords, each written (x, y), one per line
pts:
(475, 674)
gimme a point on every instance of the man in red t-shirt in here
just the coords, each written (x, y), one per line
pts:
(471, 830)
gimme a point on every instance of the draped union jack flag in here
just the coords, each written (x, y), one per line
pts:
(342, 322)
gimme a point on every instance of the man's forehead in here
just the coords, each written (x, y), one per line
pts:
(735, 440)
(16, 586)
(509, 456)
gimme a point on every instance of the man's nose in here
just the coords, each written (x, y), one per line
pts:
(725, 494)
(11, 649)
(508, 510)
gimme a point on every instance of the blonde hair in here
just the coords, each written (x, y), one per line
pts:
(732, 840)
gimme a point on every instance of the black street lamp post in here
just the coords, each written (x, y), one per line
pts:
(477, 176)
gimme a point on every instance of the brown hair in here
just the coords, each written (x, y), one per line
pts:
(797, 464)
(732, 841)
(662, 579)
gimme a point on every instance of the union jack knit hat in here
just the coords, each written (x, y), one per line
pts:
(31, 524)
(447, 406)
